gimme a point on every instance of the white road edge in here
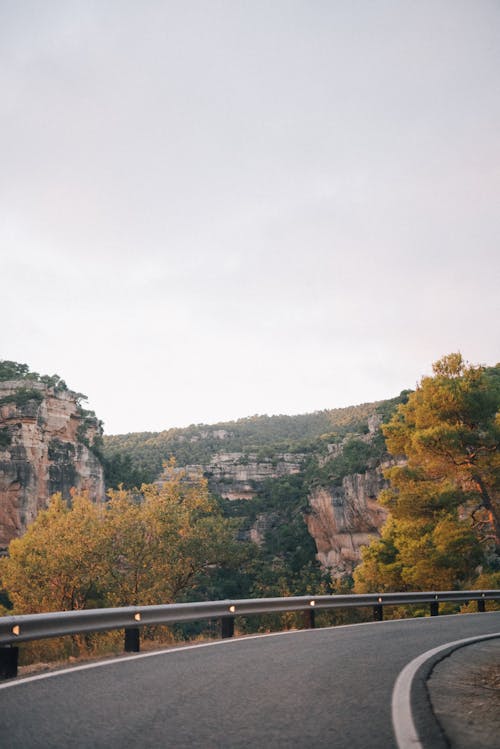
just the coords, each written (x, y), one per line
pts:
(402, 718)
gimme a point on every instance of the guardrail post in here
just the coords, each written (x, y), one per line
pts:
(378, 612)
(227, 626)
(8, 662)
(309, 619)
(481, 605)
(132, 640)
(434, 608)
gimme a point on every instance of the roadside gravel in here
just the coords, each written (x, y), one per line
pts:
(464, 690)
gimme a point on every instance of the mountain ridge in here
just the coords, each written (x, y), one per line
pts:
(261, 434)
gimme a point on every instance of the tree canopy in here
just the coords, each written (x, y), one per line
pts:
(135, 549)
(444, 495)
(11, 370)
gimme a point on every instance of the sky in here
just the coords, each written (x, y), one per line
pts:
(211, 209)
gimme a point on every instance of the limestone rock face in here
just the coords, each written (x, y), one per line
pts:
(45, 441)
(237, 476)
(344, 518)
(341, 517)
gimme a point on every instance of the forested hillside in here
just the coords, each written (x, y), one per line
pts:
(263, 471)
(140, 455)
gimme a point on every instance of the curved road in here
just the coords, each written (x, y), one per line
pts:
(318, 688)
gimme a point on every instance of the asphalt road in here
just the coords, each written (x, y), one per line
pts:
(317, 688)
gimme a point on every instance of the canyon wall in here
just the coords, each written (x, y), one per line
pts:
(240, 475)
(343, 519)
(46, 442)
(342, 515)
(345, 516)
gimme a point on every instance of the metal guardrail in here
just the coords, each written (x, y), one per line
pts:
(28, 627)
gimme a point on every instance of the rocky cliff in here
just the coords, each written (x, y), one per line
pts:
(46, 442)
(339, 487)
(305, 488)
(343, 519)
(345, 515)
(241, 475)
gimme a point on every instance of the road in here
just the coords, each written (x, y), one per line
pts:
(318, 688)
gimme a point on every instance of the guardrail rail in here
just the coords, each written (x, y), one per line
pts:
(29, 627)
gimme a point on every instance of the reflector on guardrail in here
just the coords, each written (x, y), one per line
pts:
(27, 627)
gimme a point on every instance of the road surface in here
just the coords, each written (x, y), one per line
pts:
(318, 688)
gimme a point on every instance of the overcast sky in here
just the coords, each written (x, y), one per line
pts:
(216, 208)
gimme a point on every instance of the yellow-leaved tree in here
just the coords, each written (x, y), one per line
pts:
(158, 546)
(57, 564)
(139, 548)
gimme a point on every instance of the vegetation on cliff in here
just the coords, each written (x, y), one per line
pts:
(24, 394)
(443, 529)
(264, 436)
(13, 371)
(284, 561)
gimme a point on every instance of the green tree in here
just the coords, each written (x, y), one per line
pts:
(120, 470)
(444, 498)
(449, 430)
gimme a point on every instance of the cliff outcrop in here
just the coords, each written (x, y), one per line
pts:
(341, 508)
(46, 442)
(343, 519)
(345, 515)
(240, 475)
(303, 487)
